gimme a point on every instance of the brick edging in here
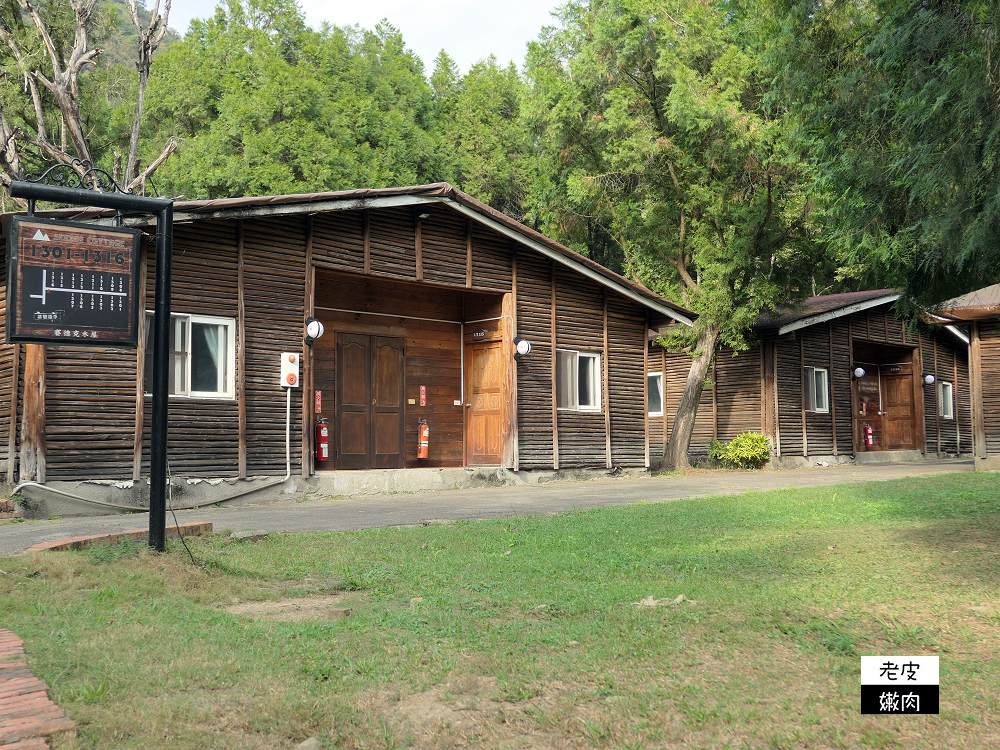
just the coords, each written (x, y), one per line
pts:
(96, 540)
(28, 719)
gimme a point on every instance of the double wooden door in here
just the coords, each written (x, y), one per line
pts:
(369, 429)
(886, 404)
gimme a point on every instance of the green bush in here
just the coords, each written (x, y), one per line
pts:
(749, 450)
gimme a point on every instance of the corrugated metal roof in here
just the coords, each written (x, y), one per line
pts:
(349, 199)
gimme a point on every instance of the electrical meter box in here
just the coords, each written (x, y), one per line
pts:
(290, 369)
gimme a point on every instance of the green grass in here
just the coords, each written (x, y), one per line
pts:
(523, 633)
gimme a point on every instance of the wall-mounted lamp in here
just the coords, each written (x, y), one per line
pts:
(859, 372)
(929, 379)
(424, 215)
(522, 347)
(314, 329)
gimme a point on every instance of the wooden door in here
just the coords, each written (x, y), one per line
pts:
(369, 428)
(898, 412)
(484, 399)
(869, 400)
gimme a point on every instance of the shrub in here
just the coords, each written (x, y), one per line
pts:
(749, 450)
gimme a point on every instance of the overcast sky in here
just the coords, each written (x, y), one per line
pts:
(468, 31)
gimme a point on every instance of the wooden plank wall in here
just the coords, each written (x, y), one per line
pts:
(626, 343)
(8, 371)
(203, 436)
(534, 372)
(989, 337)
(580, 326)
(949, 362)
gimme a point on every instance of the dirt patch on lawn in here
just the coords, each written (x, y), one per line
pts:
(289, 610)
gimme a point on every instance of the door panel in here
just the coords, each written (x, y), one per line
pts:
(869, 395)
(388, 403)
(484, 423)
(898, 412)
(353, 427)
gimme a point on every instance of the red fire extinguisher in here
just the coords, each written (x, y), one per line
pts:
(869, 435)
(424, 441)
(322, 441)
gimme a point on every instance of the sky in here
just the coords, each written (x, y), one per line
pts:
(468, 31)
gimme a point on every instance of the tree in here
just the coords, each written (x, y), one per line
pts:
(34, 35)
(899, 102)
(654, 125)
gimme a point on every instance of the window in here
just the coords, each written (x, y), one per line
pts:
(654, 390)
(202, 356)
(946, 399)
(578, 380)
(816, 386)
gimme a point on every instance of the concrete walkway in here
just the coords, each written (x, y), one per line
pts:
(403, 509)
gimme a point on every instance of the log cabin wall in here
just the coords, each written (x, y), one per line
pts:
(729, 407)
(9, 370)
(257, 272)
(989, 351)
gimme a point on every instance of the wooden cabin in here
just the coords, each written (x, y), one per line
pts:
(422, 290)
(980, 311)
(797, 386)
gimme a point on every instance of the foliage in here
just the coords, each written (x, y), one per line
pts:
(748, 450)
(513, 643)
(899, 102)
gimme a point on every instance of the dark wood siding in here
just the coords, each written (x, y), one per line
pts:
(7, 361)
(626, 341)
(534, 372)
(989, 338)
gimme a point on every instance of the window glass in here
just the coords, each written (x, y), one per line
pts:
(946, 399)
(809, 385)
(589, 389)
(208, 357)
(822, 395)
(201, 356)
(566, 379)
(815, 384)
(654, 388)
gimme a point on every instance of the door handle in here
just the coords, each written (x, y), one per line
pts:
(373, 402)
(468, 406)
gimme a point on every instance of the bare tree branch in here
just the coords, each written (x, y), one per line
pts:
(154, 165)
(149, 40)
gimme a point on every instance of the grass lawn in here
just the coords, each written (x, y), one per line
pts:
(523, 633)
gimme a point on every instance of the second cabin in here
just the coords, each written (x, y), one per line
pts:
(836, 378)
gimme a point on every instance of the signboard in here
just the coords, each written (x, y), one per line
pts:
(72, 283)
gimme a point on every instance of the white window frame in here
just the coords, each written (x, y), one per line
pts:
(812, 393)
(946, 404)
(229, 388)
(573, 398)
(658, 382)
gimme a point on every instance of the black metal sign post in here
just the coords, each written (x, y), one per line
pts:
(164, 210)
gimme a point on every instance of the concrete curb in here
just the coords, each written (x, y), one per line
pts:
(97, 540)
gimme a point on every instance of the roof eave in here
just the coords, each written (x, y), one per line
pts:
(812, 320)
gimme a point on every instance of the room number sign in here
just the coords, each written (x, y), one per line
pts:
(70, 283)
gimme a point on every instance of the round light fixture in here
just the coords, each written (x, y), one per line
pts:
(929, 379)
(859, 372)
(522, 347)
(314, 329)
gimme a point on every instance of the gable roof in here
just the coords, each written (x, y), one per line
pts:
(439, 192)
(821, 308)
(981, 304)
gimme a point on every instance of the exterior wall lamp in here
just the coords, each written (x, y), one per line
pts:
(859, 372)
(314, 330)
(928, 379)
(522, 347)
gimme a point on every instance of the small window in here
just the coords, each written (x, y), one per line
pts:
(817, 389)
(946, 399)
(654, 390)
(202, 356)
(578, 380)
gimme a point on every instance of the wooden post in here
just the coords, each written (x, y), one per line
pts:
(12, 434)
(367, 241)
(645, 383)
(663, 371)
(241, 350)
(976, 381)
(140, 373)
(468, 252)
(833, 393)
(555, 406)
(419, 246)
(606, 393)
(307, 384)
(33, 418)
(917, 364)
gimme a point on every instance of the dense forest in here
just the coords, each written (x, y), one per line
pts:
(729, 155)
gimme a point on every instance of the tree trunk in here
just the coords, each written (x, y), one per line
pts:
(676, 456)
